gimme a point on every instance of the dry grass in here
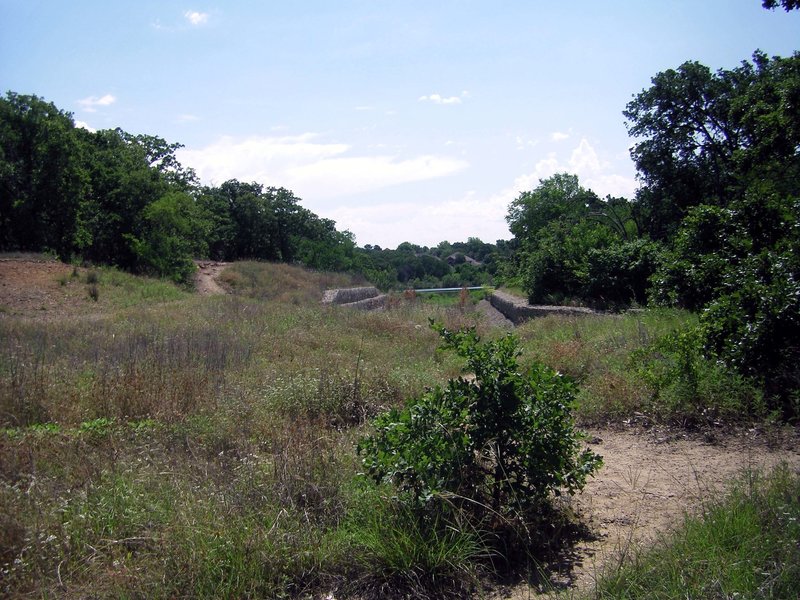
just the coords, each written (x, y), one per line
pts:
(175, 445)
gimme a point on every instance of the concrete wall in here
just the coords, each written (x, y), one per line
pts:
(348, 295)
(517, 310)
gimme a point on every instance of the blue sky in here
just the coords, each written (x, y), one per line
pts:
(402, 121)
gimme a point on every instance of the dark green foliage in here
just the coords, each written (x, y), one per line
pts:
(754, 324)
(620, 273)
(690, 389)
(500, 444)
(707, 136)
(786, 4)
(42, 178)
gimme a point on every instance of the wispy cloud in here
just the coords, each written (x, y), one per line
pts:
(559, 136)
(439, 99)
(186, 118)
(91, 103)
(311, 168)
(196, 18)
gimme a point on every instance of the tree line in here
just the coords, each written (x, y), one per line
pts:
(111, 197)
(714, 227)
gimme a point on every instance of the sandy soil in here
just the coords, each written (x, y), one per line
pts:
(649, 481)
(206, 277)
(42, 289)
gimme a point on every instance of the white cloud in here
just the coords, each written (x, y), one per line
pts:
(559, 136)
(438, 99)
(186, 118)
(196, 18)
(390, 224)
(91, 103)
(85, 125)
(595, 173)
(314, 170)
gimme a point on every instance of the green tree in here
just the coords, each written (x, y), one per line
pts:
(557, 198)
(786, 4)
(705, 136)
(556, 226)
(42, 179)
(122, 185)
(173, 234)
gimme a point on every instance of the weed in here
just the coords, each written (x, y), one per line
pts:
(743, 546)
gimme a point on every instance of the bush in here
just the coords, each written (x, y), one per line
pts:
(691, 389)
(619, 274)
(499, 445)
(754, 326)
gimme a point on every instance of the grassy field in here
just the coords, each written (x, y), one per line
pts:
(173, 445)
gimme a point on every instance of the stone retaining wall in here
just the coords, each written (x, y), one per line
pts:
(517, 310)
(376, 303)
(349, 295)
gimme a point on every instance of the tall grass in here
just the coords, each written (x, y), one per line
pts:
(173, 445)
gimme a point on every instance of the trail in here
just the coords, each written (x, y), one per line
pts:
(649, 480)
(208, 271)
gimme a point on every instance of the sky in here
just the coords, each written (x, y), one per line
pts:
(406, 120)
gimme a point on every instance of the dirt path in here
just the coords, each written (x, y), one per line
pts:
(648, 482)
(206, 277)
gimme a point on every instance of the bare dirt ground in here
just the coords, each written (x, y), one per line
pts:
(40, 288)
(206, 277)
(650, 479)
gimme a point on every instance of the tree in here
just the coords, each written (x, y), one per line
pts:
(705, 136)
(122, 185)
(556, 226)
(786, 4)
(42, 179)
(557, 198)
(174, 233)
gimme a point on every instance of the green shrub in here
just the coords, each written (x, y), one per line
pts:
(689, 388)
(500, 444)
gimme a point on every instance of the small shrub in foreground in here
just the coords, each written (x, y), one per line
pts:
(495, 448)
